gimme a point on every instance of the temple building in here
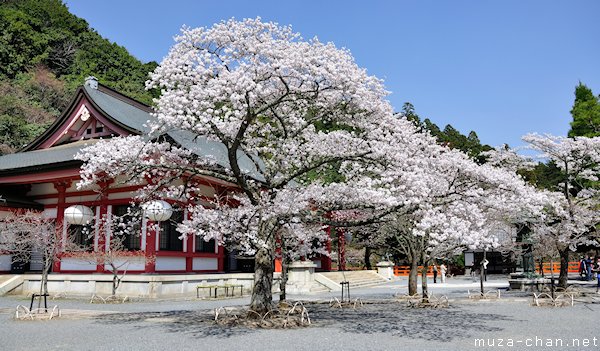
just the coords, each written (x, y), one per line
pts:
(43, 177)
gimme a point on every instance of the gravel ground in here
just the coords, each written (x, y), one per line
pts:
(382, 325)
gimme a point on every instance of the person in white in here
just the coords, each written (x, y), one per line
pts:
(443, 272)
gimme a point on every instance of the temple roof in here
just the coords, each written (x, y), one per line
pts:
(19, 202)
(38, 158)
(54, 148)
(123, 111)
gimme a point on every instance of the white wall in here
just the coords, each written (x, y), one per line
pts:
(136, 285)
(129, 264)
(74, 264)
(5, 262)
(205, 263)
(50, 213)
(170, 264)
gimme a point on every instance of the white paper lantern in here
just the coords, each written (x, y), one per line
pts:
(157, 210)
(348, 237)
(78, 214)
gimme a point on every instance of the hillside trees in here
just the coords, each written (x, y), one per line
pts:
(449, 136)
(585, 112)
(45, 53)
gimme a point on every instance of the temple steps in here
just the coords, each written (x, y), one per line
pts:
(357, 279)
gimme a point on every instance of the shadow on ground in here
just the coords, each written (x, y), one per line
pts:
(443, 324)
(392, 318)
(198, 323)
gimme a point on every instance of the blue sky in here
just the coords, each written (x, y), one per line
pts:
(500, 68)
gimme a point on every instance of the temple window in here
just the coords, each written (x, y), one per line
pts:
(205, 246)
(169, 236)
(127, 226)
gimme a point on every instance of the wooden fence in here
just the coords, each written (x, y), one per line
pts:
(573, 268)
(405, 270)
(554, 267)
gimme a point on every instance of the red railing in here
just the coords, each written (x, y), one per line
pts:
(554, 267)
(405, 270)
(573, 268)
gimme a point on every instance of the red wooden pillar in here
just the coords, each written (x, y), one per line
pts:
(151, 247)
(61, 187)
(189, 248)
(326, 260)
(102, 225)
(220, 258)
(189, 258)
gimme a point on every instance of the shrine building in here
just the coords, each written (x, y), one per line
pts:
(43, 177)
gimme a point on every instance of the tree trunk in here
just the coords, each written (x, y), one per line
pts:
(43, 287)
(424, 283)
(44, 283)
(564, 268)
(116, 281)
(262, 298)
(284, 279)
(412, 277)
(481, 274)
(367, 257)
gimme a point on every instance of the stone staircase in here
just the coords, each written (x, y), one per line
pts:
(5, 277)
(9, 283)
(357, 279)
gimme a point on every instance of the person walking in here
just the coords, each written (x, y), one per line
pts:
(588, 268)
(597, 269)
(443, 272)
(435, 272)
(582, 268)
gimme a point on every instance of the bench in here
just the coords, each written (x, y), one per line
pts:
(214, 287)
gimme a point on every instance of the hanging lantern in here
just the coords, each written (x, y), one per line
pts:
(157, 210)
(348, 236)
(78, 214)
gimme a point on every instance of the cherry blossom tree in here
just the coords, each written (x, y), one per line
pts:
(571, 216)
(465, 205)
(287, 106)
(275, 114)
(25, 231)
(117, 257)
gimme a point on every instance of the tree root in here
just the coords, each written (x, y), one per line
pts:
(430, 302)
(560, 300)
(109, 299)
(285, 315)
(487, 295)
(24, 313)
(335, 303)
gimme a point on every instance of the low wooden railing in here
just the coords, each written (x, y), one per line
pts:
(573, 268)
(554, 267)
(405, 270)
